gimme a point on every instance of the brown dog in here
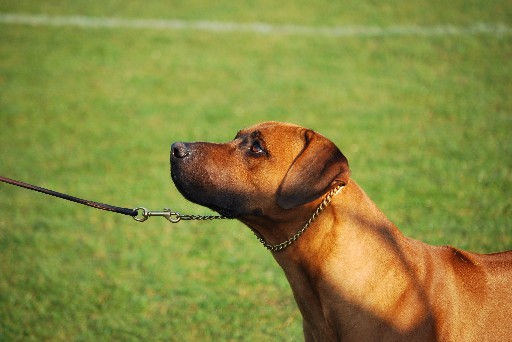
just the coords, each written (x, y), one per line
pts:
(354, 276)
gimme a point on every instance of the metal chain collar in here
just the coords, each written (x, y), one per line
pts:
(280, 246)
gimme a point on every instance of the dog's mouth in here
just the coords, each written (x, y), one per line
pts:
(222, 203)
(206, 201)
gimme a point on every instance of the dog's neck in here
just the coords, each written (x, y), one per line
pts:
(346, 251)
(341, 228)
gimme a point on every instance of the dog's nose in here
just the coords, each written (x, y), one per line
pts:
(180, 150)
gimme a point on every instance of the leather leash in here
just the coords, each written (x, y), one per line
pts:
(139, 214)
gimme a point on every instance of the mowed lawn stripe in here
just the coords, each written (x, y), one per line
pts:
(498, 29)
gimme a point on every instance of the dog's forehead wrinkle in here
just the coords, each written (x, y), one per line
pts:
(256, 135)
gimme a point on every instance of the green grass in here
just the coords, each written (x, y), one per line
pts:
(424, 121)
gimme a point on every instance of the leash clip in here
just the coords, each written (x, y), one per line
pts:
(143, 214)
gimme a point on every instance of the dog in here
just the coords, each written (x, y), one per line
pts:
(354, 275)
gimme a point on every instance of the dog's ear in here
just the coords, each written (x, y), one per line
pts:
(318, 167)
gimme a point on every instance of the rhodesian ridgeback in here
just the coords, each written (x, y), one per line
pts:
(353, 274)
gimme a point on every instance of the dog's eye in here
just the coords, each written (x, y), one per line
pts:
(256, 148)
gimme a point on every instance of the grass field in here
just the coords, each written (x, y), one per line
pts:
(424, 119)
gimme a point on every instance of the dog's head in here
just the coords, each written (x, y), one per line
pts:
(267, 168)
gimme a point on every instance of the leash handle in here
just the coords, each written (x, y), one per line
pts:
(97, 205)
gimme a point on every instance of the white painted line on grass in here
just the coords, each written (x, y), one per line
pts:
(257, 28)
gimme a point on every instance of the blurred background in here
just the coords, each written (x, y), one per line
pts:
(92, 94)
